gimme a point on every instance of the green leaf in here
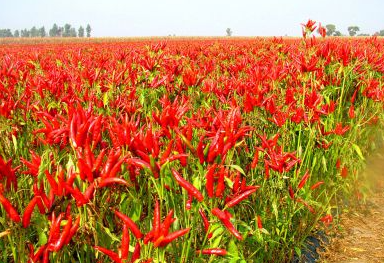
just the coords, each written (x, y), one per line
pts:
(298, 251)
(232, 248)
(42, 238)
(136, 211)
(237, 168)
(358, 151)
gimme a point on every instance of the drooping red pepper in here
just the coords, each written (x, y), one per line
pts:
(28, 211)
(125, 243)
(8, 207)
(112, 255)
(187, 186)
(316, 185)
(210, 180)
(205, 222)
(63, 237)
(224, 218)
(172, 236)
(303, 180)
(136, 252)
(237, 199)
(73, 231)
(213, 251)
(131, 225)
(104, 182)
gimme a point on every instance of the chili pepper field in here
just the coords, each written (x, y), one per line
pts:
(182, 150)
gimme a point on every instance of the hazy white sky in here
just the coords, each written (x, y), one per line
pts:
(192, 18)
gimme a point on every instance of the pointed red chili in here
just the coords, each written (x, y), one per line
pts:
(132, 226)
(303, 180)
(112, 255)
(28, 211)
(227, 223)
(11, 211)
(125, 242)
(237, 199)
(170, 237)
(187, 186)
(213, 251)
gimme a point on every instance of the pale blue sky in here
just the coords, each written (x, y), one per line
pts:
(192, 18)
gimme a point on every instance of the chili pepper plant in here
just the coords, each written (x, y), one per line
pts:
(185, 150)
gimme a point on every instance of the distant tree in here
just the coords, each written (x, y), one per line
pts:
(17, 33)
(352, 30)
(331, 28)
(54, 31)
(81, 31)
(88, 29)
(34, 32)
(25, 33)
(363, 35)
(42, 32)
(5, 33)
(381, 33)
(337, 34)
(72, 32)
(67, 30)
(229, 32)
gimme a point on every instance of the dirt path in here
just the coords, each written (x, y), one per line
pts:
(360, 237)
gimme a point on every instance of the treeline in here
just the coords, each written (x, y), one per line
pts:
(56, 31)
(352, 31)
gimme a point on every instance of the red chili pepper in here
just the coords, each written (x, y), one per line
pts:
(61, 241)
(266, 170)
(46, 256)
(85, 170)
(112, 255)
(187, 186)
(255, 159)
(314, 186)
(236, 184)
(291, 193)
(54, 232)
(167, 152)
(36, 257)
(99, 160)
(170, 237)
(200, 150)
(79, 197)
(173, 158)
(213, 251)
(11, 211)
(148, 237)
(259, 222)
(205, 222)
(52, 183)
(227, 223)
(73, 230)
(125, 243)
(132, 226)
(188, 205)
(112, 158)
(210, 180)
(28, 212)
(303, 180)
(237, 199)
(164, 229)
(136, 253)
(107, 181)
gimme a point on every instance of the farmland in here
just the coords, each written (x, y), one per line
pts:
(182, 150)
